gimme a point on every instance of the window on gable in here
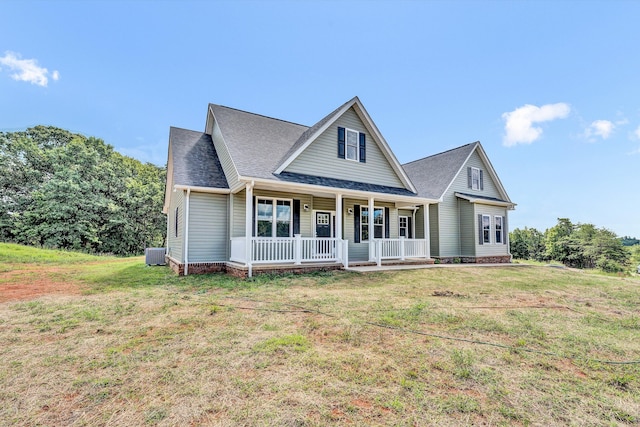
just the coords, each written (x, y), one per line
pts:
(486, 229)
(378, 223)
(475, 178)
(352, 145)
(498, 227)
(273, 218)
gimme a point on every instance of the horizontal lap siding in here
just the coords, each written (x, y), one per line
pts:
(492, 248)
(321, 157)
(208, 227)
(434, 229)
(223, 154)
(175, 244)
(468, 238)
(324, 204)
(237, 216)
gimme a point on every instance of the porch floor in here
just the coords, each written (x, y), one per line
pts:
(389, 267)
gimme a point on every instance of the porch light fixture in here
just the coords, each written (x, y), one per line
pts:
(305, 207)
(350, 211)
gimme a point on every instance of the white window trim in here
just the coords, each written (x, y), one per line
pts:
(476, 172)
(346, 144)
(406, 234)
(384, 219)
(274, 220)
(495, 229)
(490, 228)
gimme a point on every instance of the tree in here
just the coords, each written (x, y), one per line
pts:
(527, 244)
(65, 190)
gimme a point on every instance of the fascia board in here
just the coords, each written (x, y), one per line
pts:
(493, 173)
(226, 146)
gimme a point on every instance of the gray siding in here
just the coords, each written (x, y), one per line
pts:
(434, 229)
(175, 244)
(223, 154)
(321, 157)
(468, 238)
(208, 227)
(491, 248)
(324, 204)
(360, 251)
(237, 215)
(449, 217)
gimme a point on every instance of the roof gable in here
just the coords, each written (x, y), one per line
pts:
(315, 132)
(435, 175)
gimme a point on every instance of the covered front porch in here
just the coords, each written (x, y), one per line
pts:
(324, 227)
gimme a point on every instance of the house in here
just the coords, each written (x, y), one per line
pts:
(254, 194)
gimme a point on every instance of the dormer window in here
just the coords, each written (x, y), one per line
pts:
(352, 145)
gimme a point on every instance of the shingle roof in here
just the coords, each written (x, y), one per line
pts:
(256, 143)
(342, 183)
(487, 198)
(432, 175)
(195, 161)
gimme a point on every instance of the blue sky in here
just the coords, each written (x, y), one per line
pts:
(551, 89)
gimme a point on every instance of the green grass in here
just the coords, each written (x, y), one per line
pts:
(525, 345)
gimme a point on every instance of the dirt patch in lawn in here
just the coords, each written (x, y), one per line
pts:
(30, 283)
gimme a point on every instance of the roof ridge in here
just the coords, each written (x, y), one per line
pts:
(259, 115)
(181, 128)
(441, 153)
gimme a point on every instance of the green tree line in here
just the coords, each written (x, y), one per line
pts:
(574, 245)
(64, 190)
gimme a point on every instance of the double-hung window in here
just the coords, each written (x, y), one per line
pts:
(273, 218)
(486, 229)
(378, 223)
(352, 144)
(498, 227)
(475, 178)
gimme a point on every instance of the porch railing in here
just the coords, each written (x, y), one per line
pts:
(399, 249)
(296, 250)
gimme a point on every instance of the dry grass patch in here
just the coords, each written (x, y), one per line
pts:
(402, 348)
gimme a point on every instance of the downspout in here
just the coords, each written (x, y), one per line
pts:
(186, 234)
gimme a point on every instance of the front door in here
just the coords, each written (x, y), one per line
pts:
(324, 248)
(323, 224)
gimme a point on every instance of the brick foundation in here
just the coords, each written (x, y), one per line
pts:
(241, 271)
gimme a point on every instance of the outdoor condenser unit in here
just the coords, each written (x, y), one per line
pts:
(154, 256)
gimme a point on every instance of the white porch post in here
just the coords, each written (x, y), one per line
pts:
(427, 237)
(370, 219)
(338, 217)
(338, 227)
(248, 226)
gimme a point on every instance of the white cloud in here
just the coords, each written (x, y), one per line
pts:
(601, 128)
(637, 132)
(27, 70)
(519, 122)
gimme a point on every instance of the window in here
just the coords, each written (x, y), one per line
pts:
(378, 223)
(475, 178)
(176, 224)
(486, 229)
(352, 145)
(498, 227)
(273, 218)
(403, 222)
